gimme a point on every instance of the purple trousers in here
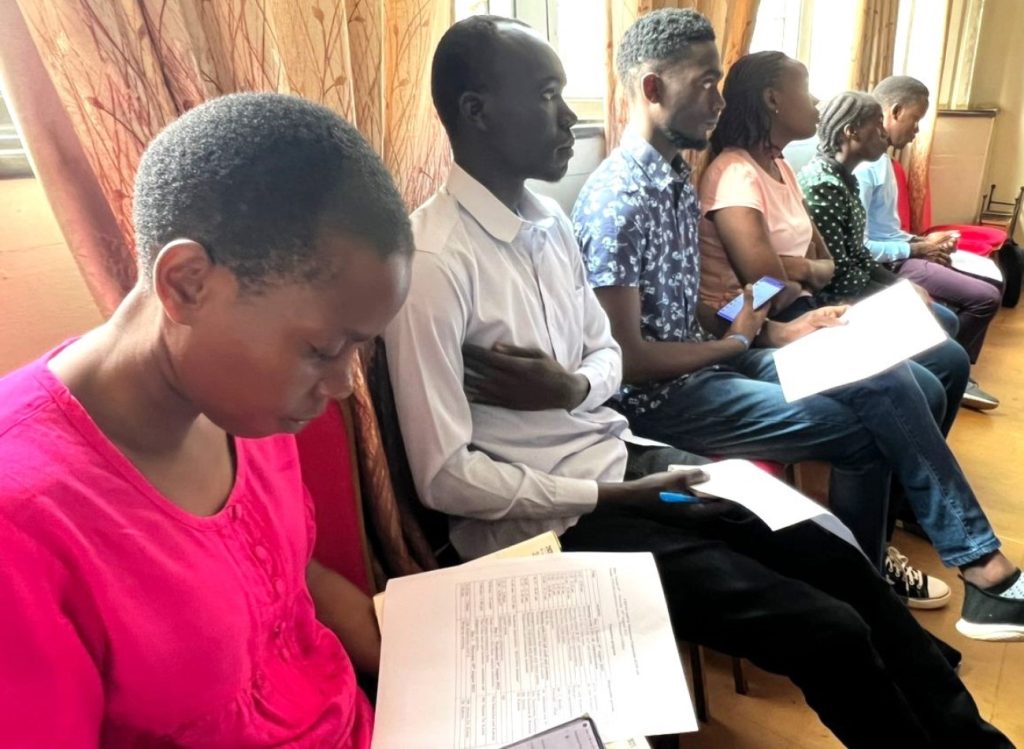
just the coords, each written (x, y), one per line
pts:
(974, 300)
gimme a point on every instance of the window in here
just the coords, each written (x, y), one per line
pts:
(819, 33)
(576, 29)
(778, 26)
(13, 158)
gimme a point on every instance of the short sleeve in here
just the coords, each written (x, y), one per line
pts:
(610, 228)
(731, 182)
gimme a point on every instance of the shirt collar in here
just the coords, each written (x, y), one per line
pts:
(493, 215)
(658, 171)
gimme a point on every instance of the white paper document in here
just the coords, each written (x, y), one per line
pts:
(545, 543)
(482, 655)
(976, 265)
(880, 331)
(777, 503)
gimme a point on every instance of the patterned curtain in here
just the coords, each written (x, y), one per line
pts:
(875, 43)
(93, 81)
(734, 27)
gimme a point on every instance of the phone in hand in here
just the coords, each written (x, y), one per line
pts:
(764, 291)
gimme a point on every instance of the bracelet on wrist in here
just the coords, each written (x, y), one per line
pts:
(741, 338)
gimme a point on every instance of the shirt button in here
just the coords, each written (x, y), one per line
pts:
(261, 553)
(285, 655)
(279, 586)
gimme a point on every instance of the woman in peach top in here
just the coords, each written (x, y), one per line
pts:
(754, 222)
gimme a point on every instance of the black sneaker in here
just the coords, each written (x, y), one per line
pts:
(918, 590)
(987, 616)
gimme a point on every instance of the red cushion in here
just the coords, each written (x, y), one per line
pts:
(972, 245)
(902, 194)
(977, 235)
(328, 470)
(778, 470)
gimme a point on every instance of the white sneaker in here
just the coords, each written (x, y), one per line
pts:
(918, 590)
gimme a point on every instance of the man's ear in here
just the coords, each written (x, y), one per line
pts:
(651, 88)
(896, 110)
(182, 275)
(471, 108)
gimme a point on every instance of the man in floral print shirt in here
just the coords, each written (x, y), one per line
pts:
(636, 223)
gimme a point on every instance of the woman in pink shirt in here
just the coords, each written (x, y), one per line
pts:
(754, 222)
(155, 535)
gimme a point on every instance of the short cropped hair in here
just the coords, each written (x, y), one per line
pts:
(850, 108)
(257, 178)
(660, 38)
(462, 62)
(900, 89)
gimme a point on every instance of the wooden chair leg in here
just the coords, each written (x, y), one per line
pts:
(700, 692)
(738, 677)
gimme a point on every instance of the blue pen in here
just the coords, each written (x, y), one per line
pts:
(677, 497)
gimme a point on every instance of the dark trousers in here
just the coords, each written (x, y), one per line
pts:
(975, 300)
(801, 603)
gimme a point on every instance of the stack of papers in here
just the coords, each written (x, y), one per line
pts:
(976, 265)
(485, 654)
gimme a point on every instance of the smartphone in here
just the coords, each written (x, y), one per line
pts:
(580, 733)
(764, 290)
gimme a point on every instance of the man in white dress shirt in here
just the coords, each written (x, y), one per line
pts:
(500, 362)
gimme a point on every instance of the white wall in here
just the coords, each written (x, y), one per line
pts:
(43, 299)
(999, 82)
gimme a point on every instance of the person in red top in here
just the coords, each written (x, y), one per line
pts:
(156, 538)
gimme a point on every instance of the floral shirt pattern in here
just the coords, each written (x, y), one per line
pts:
(636, 222)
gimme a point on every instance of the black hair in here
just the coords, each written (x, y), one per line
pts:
(850, 108)
(256, 179)
(462, 62)
(746, 121)
(660, 37)
(900, 89)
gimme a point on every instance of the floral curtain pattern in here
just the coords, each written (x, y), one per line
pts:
(733, 21)
(874, 43)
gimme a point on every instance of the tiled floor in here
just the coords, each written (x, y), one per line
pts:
(990, 447)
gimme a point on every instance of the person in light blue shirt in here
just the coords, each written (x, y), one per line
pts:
(886, 239)
(923, 260)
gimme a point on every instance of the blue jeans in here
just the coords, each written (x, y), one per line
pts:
(942, 373)
(864, 430)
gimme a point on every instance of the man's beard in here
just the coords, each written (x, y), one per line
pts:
(683, 141)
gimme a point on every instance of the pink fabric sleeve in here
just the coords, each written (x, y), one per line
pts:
(51, 693)
(730, 182)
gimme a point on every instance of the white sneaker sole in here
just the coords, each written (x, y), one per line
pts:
(991, 632)
(978, 404)
(925, 604)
